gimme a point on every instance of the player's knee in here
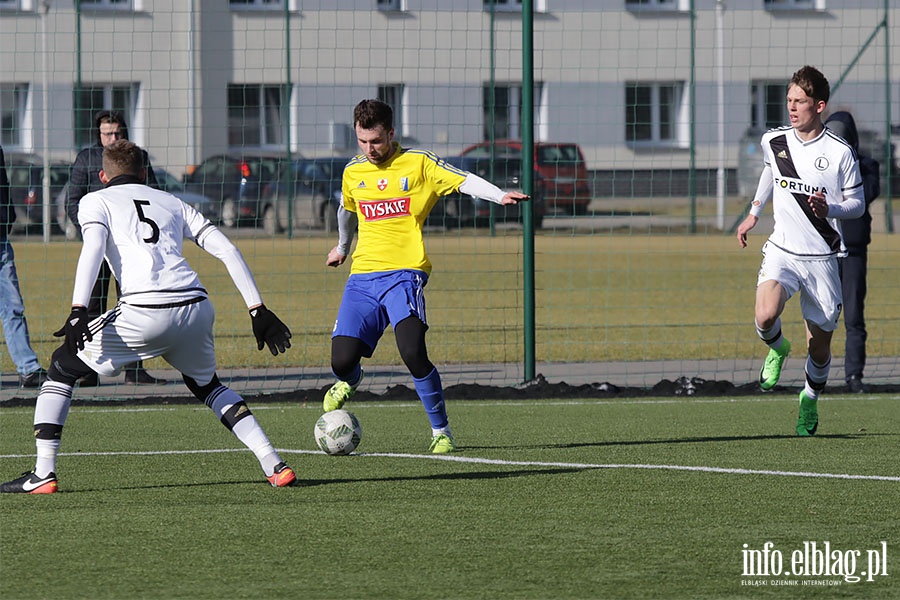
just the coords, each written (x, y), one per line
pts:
(410, 335)
(201, 392)
(346, 353)
(65, 367)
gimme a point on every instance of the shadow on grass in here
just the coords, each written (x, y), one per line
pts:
(306, 483)
(687, 440)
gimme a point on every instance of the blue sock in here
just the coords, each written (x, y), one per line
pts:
(432, 395)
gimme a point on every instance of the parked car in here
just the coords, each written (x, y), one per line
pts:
(204, 204)
(235, 182)
(564, 175)
(166, 181)
(26, 187)
(460, 210)
(314, 184)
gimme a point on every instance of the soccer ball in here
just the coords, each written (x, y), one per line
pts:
(338, 432)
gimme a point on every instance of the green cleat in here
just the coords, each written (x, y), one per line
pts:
(442, 444)
(808, 421)
(339, 393)
(771, 369)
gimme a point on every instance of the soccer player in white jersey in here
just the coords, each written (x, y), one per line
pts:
(388, 192)
(162, 311)
(813, 179)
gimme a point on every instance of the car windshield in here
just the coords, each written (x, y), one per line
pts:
(563, 153)
(167, 181)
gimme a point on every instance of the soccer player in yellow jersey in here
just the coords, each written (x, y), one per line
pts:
(388, 192)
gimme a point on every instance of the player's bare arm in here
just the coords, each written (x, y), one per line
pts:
(818, 205)
(744, 228)
(335, 257)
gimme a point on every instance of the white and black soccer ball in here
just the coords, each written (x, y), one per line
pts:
(338, 432)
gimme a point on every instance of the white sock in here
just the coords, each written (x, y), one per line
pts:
(51, 407)
(247, 429)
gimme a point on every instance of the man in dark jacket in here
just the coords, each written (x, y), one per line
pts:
(857, 234)
(12, 307)
(109, 126)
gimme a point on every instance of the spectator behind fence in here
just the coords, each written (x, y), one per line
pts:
(109, 126)
(12, 307)
(857, 234)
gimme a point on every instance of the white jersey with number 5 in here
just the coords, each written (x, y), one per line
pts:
(146, 228)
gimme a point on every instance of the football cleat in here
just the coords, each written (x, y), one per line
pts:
(442, 444)
(339, 393)
(771, 369)
(808, 420)
(29, 483)
(283, 476)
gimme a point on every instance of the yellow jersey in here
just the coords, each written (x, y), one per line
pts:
(391, 201)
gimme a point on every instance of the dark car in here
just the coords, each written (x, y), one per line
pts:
(315, 185)
(563, 172)
(460, 210)
(235, 182)
(169, 183)
(26, 188)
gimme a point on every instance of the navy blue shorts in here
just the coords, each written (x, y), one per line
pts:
(372, 301)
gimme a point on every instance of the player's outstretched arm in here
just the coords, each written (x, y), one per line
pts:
(482, 188)
(269, 330)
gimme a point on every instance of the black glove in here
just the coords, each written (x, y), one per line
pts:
(76, 330)
(269, 330)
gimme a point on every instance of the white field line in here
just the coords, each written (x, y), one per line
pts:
(505, 463)
(460, 404)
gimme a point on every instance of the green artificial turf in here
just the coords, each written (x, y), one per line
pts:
(640, 498)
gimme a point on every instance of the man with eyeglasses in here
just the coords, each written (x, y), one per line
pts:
(85, 178)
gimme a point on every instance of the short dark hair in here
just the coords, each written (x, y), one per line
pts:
(123, 158)
(368, 114)
(812, 82)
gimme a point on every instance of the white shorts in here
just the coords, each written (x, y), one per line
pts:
(183, 336)
(818, 279)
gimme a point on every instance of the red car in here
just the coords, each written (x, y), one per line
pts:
(563, 172)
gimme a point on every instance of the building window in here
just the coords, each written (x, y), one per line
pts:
(12, 5)
(256, 4)
(92, 98)
(256, 115)
(768, 104)
(112, 4)
(506, 117)
(13, 97)
(512, 5)
(389, 5)
(817, 5)
(392, 95)
(657, 5)
(655, 113)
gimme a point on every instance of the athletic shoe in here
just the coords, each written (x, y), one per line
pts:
(856, 385)
(283, 476)
(33, 379)
(771, 370)
(808, 421)
(442, 444)
(339, 393)
(29, 483)
(140, 376)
